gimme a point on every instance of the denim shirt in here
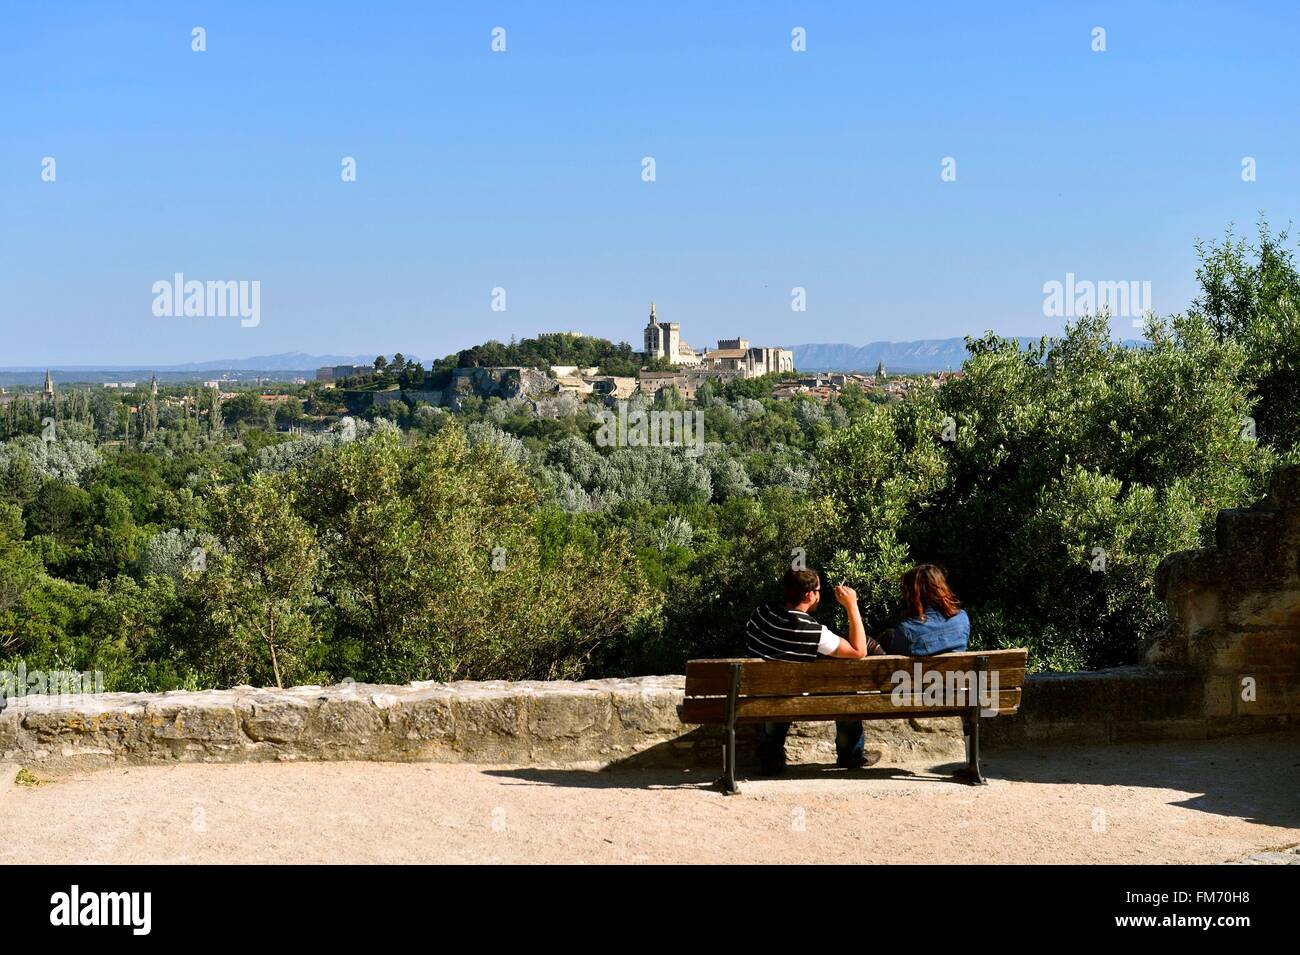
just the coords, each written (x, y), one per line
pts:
(936, 634)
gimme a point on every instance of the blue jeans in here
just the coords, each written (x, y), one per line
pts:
(849, 741)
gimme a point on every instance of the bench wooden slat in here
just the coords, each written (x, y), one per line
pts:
(832, 683)
(812, 708)
(779, 678)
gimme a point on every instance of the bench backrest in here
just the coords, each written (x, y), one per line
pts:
(829, 689)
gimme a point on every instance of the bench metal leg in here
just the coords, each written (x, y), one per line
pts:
(970, 723)
(728, 780)
(971, 771)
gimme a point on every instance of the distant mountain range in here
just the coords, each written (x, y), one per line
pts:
(930, 354)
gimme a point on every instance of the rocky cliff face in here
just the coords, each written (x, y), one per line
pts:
(501, 383)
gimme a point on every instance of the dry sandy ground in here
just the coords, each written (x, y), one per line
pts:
(1192, 802)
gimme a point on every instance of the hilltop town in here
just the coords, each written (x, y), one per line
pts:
(666, 366)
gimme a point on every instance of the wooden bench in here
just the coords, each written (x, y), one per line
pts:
(734, 691)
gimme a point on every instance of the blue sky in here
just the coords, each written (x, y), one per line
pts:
(522, 169)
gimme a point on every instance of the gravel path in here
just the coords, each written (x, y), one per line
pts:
(1187, 802)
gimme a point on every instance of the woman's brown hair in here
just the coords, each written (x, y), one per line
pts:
(926, 586)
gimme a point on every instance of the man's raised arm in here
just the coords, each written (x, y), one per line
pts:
(858, 644)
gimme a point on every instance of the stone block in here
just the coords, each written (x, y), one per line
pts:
(193, 716)
(425, 715)
(489, 724)
(90, 723)
(647, 707)
(349, 722)
(8, 728)
(567, 713)
(1122, 693)
(1271, 647)
(271, 719)
(1218, 695)
(1275, 694)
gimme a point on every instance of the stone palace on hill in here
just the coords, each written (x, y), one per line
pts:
(733, 355)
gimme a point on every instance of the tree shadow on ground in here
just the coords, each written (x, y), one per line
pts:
(1256, 778)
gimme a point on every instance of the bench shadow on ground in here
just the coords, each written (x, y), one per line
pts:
(1256, 778)
(661, 767)
(705, 777)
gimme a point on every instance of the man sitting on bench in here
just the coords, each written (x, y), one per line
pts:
(789, 633)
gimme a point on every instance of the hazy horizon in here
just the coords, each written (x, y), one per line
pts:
(315, 360)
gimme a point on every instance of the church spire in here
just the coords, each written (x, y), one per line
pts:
(652, 312)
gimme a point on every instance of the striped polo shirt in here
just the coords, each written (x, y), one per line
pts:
(774, 632)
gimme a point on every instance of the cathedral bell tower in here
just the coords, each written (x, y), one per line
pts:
(654, 337)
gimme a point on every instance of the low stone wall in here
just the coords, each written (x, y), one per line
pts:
(629, 722)
(493, 722)
(601, 722)
(1122, 705)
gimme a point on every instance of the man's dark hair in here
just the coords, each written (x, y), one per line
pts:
(798, 584)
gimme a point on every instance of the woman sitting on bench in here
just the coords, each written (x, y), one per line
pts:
(934, 622)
